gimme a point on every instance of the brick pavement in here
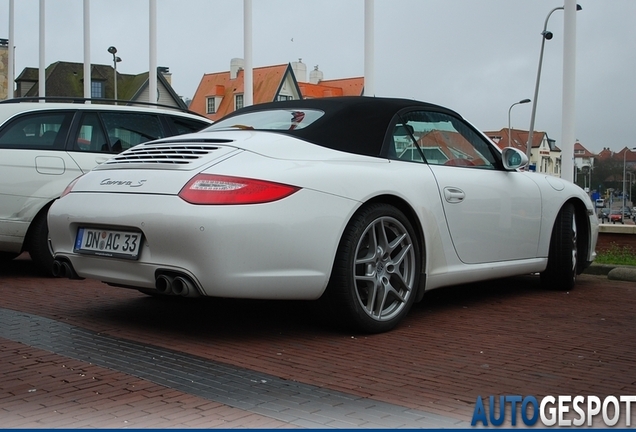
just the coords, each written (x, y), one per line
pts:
(503, 337)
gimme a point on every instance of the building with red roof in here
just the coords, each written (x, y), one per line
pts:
(545, 155)
(221, 93)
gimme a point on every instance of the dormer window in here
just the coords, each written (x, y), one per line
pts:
(97, 89)
(210, 106)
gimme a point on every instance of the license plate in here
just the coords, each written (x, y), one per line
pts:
(108, 243)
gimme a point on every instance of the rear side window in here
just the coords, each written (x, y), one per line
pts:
(186, 125)
(37, 131)
(91, 136)
(125, 130)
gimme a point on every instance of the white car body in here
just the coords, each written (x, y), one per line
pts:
(473, 224)
(34, 175)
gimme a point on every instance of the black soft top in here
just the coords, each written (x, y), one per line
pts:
(353, 124)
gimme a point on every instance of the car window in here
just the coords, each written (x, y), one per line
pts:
(185, 125)
(91, 136)
(439, 139)
(38, 131)
(275, 119)
(125, 130)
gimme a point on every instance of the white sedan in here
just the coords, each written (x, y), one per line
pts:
(364, 202)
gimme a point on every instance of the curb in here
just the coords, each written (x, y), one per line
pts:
(613, 272)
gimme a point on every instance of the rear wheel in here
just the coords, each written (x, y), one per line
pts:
(38, 243)
(376, 270)
(560, 274)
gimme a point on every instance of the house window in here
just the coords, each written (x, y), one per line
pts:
(238, 101)
(211, 105)
(285, 97)
(97, 89)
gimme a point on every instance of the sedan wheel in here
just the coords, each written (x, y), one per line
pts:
(560, 273)
(377, 269)
(38, 244)
(7, 256)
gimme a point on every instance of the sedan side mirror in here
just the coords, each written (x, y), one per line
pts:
(513, 158)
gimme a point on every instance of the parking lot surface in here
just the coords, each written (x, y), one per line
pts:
(82, 354)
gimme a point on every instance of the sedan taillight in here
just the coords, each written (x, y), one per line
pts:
(217, 189)
(70, 186)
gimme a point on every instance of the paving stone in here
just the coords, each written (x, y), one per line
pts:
(500, 337)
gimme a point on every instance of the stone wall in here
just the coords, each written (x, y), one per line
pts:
(618, 235)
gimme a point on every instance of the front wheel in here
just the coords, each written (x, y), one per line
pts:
(376, 270)
(560, 274)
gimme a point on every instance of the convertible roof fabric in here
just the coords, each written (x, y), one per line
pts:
(353, 124)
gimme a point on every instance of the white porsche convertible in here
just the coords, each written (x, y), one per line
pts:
(365, 202)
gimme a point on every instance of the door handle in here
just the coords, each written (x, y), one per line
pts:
(454, 195)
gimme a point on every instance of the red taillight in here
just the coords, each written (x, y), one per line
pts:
(217, 189)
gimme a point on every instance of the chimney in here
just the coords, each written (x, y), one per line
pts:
(300, 70)
(315, 76)
(4, 69)
(166, 73)
(236, 64)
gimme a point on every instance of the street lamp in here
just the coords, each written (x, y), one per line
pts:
(545, 35)
(116, 60)
(624, 169)
(523, 101)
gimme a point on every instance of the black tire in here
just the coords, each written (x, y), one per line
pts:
(38, 244)
(376, 271)
(560, 274)
(7, 256)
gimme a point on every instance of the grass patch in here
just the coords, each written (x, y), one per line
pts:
(617, 255)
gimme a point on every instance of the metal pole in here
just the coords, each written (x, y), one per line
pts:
(42, 68)
(544, 35)
(248, 74)
(523, 101)
(115, 75)
(369, 73)
(568, 118)
(152, 70)
(87, 50)
(624, 170)
(11, 65)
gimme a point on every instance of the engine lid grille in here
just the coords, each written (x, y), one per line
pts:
(169, 153)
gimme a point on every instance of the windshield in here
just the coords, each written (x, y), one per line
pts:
(278, 119)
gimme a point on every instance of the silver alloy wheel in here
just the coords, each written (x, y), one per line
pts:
(384, 268)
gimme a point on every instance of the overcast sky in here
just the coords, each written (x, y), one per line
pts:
(475, 56)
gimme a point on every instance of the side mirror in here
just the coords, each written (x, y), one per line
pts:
(513, 158)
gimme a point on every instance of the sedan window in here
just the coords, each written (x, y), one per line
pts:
(126, 130)
(186, 125)
(91, 136)
(41, 131)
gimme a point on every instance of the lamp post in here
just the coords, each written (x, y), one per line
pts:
(113, 51)
(545, 35)
(624, 169)
(523, 101)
